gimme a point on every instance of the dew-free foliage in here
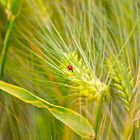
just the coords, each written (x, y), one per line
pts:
(67, 116)
(77, 62)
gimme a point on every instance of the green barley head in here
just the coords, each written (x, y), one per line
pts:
(85, 84)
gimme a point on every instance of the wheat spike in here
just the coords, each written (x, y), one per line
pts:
(85, 83)
(121, 80)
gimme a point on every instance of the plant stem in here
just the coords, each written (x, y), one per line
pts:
(100, 101)
(6, 45)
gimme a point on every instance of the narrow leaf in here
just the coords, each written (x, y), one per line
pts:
(73, 120)
(15, 6)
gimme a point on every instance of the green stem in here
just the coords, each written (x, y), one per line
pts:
(100, 101)
(6, 45)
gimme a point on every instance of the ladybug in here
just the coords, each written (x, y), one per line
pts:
(70, 68)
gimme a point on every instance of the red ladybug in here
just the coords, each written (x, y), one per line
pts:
(70, 67)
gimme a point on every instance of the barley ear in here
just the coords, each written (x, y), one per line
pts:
(121, 80)
(86, 83)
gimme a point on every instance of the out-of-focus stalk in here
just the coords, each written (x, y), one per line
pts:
(12, 8)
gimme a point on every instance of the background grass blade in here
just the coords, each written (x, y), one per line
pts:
(6, 45)
(70, 118)
(12, 7)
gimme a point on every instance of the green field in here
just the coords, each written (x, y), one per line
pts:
(69, 70)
